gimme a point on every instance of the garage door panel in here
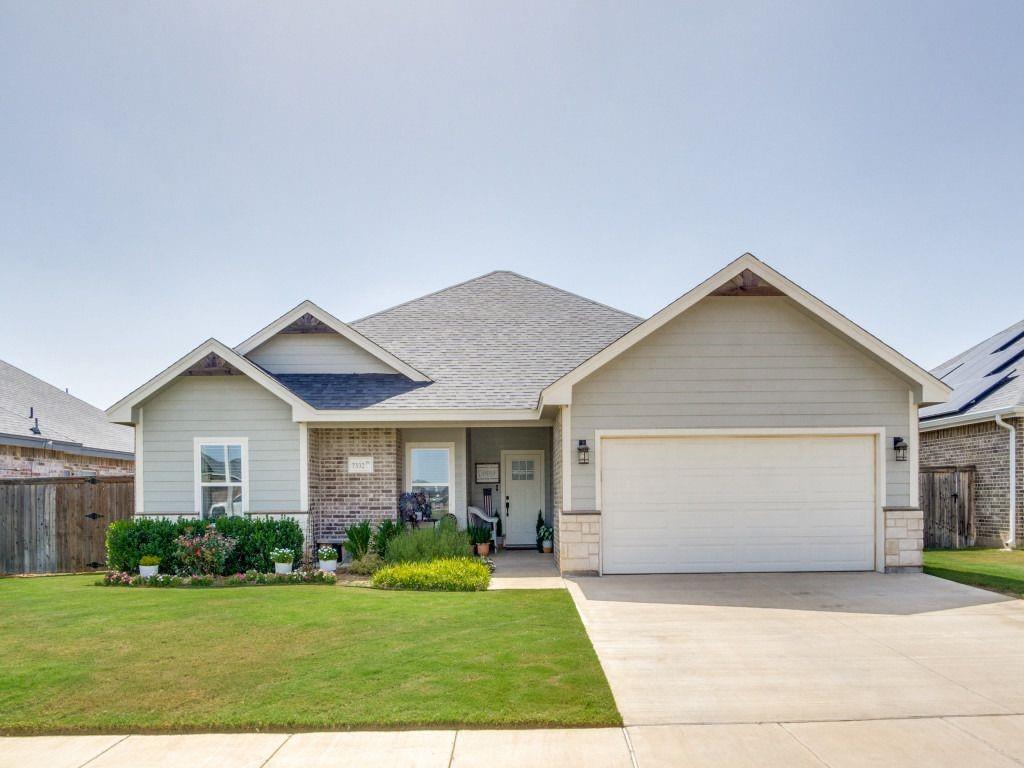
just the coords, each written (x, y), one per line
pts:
(703, 504)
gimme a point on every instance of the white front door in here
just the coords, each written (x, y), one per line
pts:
(522, 483)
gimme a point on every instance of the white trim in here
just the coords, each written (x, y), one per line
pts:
(914, 453)
(139, 495)
(930, 425)
(932, 390)
(197, 442)
(567, 459)
(450, 447)
(880, 463)
(340, 327)
(303, 466)
(506, 476)
(121, 411)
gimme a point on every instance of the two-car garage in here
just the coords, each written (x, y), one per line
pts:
(714, 502)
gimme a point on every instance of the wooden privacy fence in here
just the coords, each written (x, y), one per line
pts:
(59, 524)
(947, 499)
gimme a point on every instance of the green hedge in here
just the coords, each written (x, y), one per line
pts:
(129, 540)
(420, 545)
(450, 574)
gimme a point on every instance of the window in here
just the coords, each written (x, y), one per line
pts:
(429, 470)
(522, 469)
(222, 476)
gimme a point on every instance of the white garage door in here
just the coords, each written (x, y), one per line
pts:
(707, 504)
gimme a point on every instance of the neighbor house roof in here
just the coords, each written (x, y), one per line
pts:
(986, 378)
(493, 342)
(71, 424)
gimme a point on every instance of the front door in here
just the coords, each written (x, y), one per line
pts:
(522, 476)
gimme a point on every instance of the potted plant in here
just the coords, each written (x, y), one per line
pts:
(547, 535)
(149, 565)
(480, 536)
(283, 559)
(499, 535)
(328, 557)
(538, 526)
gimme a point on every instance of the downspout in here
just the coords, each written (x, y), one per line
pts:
(1013, 479)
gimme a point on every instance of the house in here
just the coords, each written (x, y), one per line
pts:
(745, 427)
(46, 432)
(982, 425)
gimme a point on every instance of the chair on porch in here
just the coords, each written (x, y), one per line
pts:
(485, 516)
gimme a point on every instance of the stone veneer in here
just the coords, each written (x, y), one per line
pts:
(986, 446)
(904, 539)
(337, 498)
(24, 461)
(579, 542)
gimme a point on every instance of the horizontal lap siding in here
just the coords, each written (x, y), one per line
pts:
(739, 362)
(218, 406)
(315, 353)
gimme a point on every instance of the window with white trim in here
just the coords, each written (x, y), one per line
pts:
(222, 474)
(430, 471)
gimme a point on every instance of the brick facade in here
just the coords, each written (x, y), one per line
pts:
(23, 461)
(338, 498)
(986, 446)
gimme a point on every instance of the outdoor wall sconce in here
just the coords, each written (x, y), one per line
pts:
(899, 446)
(583, 452)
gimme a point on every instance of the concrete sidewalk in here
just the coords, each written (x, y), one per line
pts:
(981, 742)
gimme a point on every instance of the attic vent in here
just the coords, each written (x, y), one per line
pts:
(1010, 343)
(34, 429)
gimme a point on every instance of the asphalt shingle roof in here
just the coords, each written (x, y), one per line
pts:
(62, 417)
(492, 342)
(986, 377)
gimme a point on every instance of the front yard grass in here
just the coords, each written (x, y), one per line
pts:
(994, 569)
(79, 658)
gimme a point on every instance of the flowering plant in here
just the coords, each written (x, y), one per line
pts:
(327, 553)
(282, 555)
(204, 553)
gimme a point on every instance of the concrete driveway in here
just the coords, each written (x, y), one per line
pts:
(785, 648)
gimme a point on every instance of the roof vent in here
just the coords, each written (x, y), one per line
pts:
(34, 429)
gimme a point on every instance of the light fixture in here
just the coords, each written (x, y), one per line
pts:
(899, 446)
(583, 452)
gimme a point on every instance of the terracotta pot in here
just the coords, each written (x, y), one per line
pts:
(547, 547)
(483, 549)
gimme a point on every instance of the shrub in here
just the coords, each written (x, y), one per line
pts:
(327, 553)
(386, 532)
(450, 574)
(419, 545)
(358, 539)
(129, 540)
(366, 565)
(254, 540)
(149, 560)
(282, 555)
(205, 553)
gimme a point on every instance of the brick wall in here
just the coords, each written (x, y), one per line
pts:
(22, 461)
(338, 498)
(986, 446)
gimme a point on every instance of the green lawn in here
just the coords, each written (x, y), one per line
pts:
(988, 568)
(81, 658)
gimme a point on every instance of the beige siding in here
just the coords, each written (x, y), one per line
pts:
(218, 406)
(741, 362)
(315, 353)
(456, 435)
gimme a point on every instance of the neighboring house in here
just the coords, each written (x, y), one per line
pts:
(46, 432)
(982, 425)
(745, 427)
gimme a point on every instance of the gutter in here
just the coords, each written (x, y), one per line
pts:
(1013, 479)
(942, 422)
(64, 446)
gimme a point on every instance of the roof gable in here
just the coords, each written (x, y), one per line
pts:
(747, 275)
(308, 318)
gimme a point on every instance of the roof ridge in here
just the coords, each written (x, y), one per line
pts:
(499, 272)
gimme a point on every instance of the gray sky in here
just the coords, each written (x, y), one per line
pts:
(175, 171)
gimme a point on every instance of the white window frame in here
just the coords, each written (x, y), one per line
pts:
(450, 447)
(197, 445)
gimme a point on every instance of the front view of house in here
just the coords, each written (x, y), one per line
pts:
(745, 427)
